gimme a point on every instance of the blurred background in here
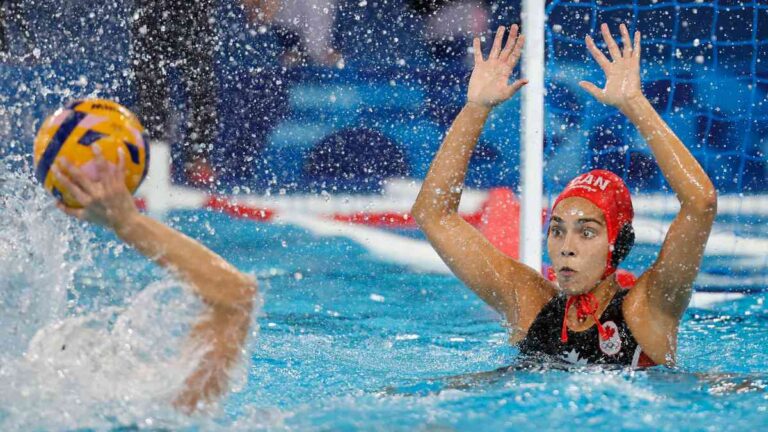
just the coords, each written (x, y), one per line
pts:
(326, 101)
(339, 95)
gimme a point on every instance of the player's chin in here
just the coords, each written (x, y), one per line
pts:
(573, 286)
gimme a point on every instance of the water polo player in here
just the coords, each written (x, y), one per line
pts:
(229, 294)
(585, 317)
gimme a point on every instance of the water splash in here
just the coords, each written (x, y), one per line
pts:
(40, 251)
(67, 367)
(114, 366)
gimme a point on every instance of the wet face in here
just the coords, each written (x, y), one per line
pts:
(578, 246)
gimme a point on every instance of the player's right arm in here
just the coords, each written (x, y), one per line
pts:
(228, 293)
(514, 289)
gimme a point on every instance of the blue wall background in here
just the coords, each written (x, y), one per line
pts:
(704, 69)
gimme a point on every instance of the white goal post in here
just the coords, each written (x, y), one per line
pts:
(532, 133)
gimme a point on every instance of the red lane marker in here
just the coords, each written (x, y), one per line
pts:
(500, 222)
(141, 203)
(392, 219)
(378, 219)
(475, 218)
(238, 210)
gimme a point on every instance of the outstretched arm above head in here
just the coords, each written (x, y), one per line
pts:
(667, 285)
(499, 280)
(229, 293)
(488, 86)
(622, 90)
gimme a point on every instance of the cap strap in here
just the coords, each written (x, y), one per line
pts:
(586, 306)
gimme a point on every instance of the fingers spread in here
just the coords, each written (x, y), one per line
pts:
(478, 50)
(517, 85)
(102, 166)
(121, 159)
(612, 47)
(63, 178)
(636, 51)
(592, 89)
(510, 90)
(510, 45)
(75, 176)
(513, 59)
(496, 49)
(97, 153)
(598, 55)
(626, 41)
(118, 172)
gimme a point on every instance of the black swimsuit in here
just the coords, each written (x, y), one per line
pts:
(585, 347)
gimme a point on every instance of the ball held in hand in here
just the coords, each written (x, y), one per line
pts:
(72, 131)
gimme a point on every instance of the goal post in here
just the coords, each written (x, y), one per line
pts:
(532, 133)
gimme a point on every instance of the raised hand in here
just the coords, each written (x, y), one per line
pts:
(489, 83)
(105, 199)
(622, 72)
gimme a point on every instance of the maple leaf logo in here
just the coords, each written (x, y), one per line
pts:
(573, 357)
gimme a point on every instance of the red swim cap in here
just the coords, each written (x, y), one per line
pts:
(610, 194)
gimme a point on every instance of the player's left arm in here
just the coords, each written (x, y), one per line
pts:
(223, 327)
(663, 292)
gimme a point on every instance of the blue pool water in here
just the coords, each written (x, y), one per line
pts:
(328, 352)
(349, 342)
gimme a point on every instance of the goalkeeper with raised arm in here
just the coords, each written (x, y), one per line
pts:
(584, 316)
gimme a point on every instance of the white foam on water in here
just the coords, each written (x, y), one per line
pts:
(601, 381)
(40, 251)
(65, 369)
(118, 365)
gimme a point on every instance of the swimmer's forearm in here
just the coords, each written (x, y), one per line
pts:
(683, 172)
(212, 277)
(441, 191)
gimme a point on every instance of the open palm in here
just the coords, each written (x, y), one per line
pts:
(622, 72)
(489, 83)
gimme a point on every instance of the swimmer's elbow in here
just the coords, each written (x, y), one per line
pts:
(239, 294)
(246, 291)
(424, 216)
(710, 199)
(417, 211)
(704, 203)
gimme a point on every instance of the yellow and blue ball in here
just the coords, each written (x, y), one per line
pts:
(71, 132)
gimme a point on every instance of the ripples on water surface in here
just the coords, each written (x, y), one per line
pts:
(92, 336)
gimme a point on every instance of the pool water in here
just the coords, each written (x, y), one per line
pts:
(349, 342)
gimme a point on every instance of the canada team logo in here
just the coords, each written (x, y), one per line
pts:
(590, 182)
(612, 345)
